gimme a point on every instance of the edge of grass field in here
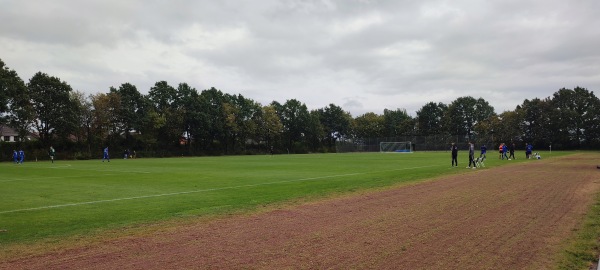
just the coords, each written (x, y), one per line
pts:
(583, 249)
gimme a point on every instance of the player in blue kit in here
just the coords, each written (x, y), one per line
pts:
(16, 156)
(21, 156)
(483, 151)
(105, 156)
(528, 150)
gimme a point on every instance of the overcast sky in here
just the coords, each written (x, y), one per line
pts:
(361, 55)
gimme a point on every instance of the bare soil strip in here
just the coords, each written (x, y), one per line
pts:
(513, 217)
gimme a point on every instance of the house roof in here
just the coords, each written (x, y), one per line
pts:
(7, 131)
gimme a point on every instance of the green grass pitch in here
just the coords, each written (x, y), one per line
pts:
(43, 201)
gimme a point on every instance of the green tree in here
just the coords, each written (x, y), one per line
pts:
(576, 116)
(15, 103)
(167, 116)
(336, 123)
(464, 113)
(295, 119)
(398, 122)
(212, 120)
(369, 125)
(55, 110)
(430, 118)
(271, 128)
(189, 104)
(131, 111)
(537, 124)
(105, 117)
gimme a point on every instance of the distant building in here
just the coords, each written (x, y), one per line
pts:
(8, 134)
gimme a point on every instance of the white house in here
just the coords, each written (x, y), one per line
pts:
(7, 134)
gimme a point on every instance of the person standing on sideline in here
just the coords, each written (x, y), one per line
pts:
(52, 153)
(483, 151)
(500, 151)
(21, 156)
(16, 156)
(105, 156)
(471, 155)
(511, 149)
(454, 150)
(528, 150)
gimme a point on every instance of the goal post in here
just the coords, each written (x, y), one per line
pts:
(395, 147)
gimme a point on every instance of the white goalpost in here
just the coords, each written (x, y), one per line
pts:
(395, 147)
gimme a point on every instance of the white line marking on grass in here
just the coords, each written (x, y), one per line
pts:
(200, 190)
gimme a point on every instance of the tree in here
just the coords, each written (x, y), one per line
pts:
(465, 112)
(336, 123)
(430, 118)
(576, 116)
(537, 124)
(167, 116)
(295, 119)
(131, 109)
(271, 127)
(189, 104)
(212, 119)
(55, 110)
(15, 104)
(503, 128)
(397, 122)
(369, 125)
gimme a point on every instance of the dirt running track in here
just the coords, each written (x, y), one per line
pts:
(514, 217)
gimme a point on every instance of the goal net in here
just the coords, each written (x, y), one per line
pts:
(395, 147)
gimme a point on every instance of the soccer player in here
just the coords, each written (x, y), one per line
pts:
(528, 150)
(105, 156)
(511, 149)
(504, 150)
(454, 149)
(472, 155)
(16, 156)
(500, 151)
(52, 153)
(483, 151)
(21, 156)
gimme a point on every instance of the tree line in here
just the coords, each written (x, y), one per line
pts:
(180, 120)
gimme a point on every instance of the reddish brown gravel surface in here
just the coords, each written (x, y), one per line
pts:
(512, 217)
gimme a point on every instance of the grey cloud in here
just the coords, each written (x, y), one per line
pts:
(361, 54)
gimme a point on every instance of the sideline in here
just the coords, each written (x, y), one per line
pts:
(202, 190)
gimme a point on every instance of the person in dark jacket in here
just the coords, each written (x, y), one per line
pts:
(454, 149)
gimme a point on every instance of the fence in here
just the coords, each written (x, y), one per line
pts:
(420, 143)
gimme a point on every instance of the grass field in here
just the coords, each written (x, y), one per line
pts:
(45, 202)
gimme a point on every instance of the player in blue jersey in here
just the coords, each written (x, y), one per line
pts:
(528, 150)
(483, 151)
(105, 156)
(16, 156)
(21, 156)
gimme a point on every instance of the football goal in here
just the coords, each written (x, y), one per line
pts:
(395, 147)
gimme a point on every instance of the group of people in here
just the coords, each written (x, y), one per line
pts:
(126, 154)
(503, 150)
(19, 156)
(472, 160)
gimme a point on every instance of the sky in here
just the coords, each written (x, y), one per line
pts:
(361, 55)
